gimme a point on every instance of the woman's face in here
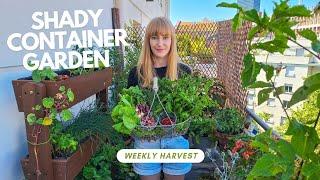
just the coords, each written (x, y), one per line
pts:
(160, 45)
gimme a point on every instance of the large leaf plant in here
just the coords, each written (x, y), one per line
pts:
(296, 159)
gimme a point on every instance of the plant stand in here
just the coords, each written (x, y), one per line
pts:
(39, 164)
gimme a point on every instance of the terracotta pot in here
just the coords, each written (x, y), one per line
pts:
(223, 138)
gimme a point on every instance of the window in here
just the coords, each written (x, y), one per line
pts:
(282, 120)
(271, 102)
(299, 52)
(285, 104)
(290, 71)
(271, 119)
(288, 88)
(250, 100)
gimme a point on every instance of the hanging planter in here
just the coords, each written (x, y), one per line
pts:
(167, 121)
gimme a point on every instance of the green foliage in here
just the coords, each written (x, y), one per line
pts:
(64, 144)
(187, 97)
(53, 106)
(91, 121)
(311, 84)
(229, 121)
(120, 75)
(104, 165)
(201, 127)
(81, 70)
(124, 113)
(263, 95)
(251, 70)
(280, 155)
(308, 34)
(265, 116)
(46, 73)
(192, 46)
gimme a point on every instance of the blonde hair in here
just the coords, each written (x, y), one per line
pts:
(157, 26)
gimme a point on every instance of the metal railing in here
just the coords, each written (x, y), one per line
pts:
(261, 122)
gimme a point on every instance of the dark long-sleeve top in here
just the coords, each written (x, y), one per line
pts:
(161, 72)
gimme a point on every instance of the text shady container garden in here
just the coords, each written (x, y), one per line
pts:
(28, 94)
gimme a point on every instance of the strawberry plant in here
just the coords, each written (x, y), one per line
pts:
(53, 107)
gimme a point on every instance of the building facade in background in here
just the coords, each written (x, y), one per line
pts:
(297, 64)
(249, 4)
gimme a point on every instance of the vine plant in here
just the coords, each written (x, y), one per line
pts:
(296, 159)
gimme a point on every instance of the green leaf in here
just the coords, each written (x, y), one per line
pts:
(252, 15)
(310, 169)
(66, 114)
(316, 46)
(266, 166)
(70, 95)
(253, 31)
(308, 34)
(299, 11)
(125, 101)
(250, 71)
(39, 121)
(260, 84)
(121, 128)
(229, 5)
(129, 122)
(37, 107)
(318, 101)
(311, 84)
(313, 80)
(279, 90)
(48, 102)
(304, 138)
(236, 22)
(48, 72)
(31, 118)
(62, 88)
(263, 95)
(269, 71)
(36, 76)
(53, 114)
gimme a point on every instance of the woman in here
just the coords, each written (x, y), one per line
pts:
(159, 58)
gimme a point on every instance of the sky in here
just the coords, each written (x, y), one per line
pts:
(197, 10)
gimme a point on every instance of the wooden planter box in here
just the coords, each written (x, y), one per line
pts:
(39, 164)
(70, 167)
(83, 86)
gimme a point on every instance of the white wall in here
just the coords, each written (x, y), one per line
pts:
(141, 10)
(15, 16)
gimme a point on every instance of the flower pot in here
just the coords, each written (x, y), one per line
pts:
(223, 138)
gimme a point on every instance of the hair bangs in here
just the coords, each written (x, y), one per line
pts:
(160, 26)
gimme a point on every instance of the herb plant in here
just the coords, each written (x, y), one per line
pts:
(229, 121)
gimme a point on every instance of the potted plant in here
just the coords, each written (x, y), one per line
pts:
(43, 96)
(229, 122)
(200, 132)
